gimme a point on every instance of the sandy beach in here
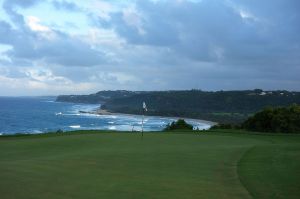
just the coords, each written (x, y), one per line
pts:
(106, 112)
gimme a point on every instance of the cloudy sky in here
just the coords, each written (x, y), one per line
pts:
(54, 47)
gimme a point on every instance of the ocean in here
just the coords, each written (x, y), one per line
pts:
(43, 114)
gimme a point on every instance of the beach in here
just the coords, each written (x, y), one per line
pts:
(106, 112)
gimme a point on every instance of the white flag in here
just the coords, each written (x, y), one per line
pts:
(144, 106)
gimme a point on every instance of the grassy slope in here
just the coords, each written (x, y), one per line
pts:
(122, 165)
(272, 170)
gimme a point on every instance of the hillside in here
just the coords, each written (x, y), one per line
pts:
(220, 106)
(96, 98)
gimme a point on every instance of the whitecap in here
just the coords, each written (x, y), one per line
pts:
(71, 114)
(112, 128)
(36, 132)
(75, 126)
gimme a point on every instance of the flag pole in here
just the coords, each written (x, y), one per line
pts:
(143, 123)
(144, 109)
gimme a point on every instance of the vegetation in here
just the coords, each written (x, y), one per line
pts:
(180, 124)
(282, 119)
(221, 106)
(97, 98)
(101, 164)
(224, 126)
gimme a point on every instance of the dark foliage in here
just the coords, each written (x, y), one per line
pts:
(59, 131)
(97, 98)
(179, 124)
(282, 119)
(225, 126)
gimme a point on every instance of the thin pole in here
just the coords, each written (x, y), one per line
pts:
(143, 124)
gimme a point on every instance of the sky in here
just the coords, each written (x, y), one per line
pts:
(53, 47)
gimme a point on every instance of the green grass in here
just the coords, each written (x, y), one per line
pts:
(161, 165)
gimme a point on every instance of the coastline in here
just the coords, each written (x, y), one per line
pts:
(106, 112)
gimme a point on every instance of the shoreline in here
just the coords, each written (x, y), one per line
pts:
(106, 112)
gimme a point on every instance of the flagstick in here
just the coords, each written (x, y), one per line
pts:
(144, 110)
(143, 123)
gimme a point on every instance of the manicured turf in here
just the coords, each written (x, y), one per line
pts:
(122, 165)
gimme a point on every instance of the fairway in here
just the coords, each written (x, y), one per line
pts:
(123, 165)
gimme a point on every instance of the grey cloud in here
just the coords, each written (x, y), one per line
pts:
(10, 7)
(158, 32)
(213, 30)
(63, 50)
(22, 3)
(191, 29)
(65, 5)
(247, 43)
(5, 33)
(175, 45)
(28, 46)
(71, 52)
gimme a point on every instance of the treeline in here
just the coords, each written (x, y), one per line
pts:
(275, 120)
(221, 106)
(96, 98)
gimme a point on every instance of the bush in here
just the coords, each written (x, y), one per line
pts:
(179, 124)
(222, 126)
(282, 119)
(59, 131)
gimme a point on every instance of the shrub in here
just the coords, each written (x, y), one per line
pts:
(222, 126)
(281, 119)
(179, 124)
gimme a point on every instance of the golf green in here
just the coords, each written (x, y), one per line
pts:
(159, 165)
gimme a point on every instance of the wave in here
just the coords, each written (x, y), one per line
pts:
(75, 126)
(112, 128)
(50, 101)
(36, 132)
(68, 114)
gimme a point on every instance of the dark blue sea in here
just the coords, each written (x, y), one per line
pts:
(43, 114)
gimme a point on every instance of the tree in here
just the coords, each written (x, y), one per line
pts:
(179, 124)
(280, 119)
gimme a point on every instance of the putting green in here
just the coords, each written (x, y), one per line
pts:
(122, 165)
